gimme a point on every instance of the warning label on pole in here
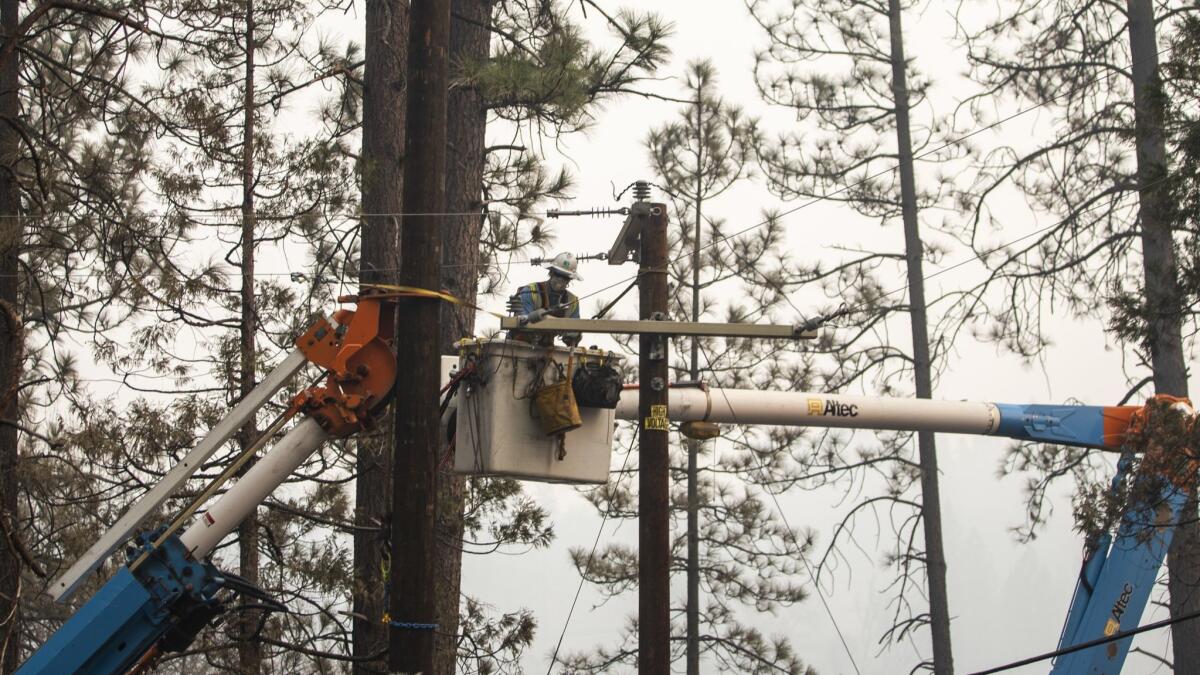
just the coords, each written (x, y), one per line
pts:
(657, 421)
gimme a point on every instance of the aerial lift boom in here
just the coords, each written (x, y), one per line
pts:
(1119, 569)
(169, 590)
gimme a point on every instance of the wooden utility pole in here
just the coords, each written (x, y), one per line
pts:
(414, 487)
(654, 537)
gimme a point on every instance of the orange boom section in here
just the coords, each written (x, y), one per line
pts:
(1117, 420)
(361, 363)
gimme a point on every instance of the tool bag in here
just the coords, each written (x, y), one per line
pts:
(557, 411)
(597, 385)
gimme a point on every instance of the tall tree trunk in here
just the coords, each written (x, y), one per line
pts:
(466, 122)
(935, 557)
(1162, 303)
(382, 162)
(11, 343)
(250, 653)
(417, 429)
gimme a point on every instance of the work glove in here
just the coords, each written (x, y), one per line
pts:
(534, 316)
(571, 339)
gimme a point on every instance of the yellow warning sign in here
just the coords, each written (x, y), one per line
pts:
(657, 424)
(657, 421)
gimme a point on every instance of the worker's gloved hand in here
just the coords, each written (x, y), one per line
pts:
(571, 339)
(534, 316)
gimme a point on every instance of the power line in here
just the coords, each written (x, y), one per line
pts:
(783, 515)
(1091, 643)
(844, 310)
(588, 565)
(847, 188)
(899, 289)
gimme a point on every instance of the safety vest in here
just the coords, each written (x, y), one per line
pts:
(539, 293)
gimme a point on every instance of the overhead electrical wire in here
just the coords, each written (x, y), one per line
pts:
(783, 515)
(587, 565)
(1121, 635)
(844, 309)
(883, 172)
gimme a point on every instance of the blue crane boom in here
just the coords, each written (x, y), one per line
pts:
(169, 590)
(1119, 569)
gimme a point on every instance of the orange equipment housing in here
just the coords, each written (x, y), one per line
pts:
(356, 349)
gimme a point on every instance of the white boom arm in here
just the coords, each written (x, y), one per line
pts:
(793, 408)
(148, 505)
(1080, 425)
(251, 489)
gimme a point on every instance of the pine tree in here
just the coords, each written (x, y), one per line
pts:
(380, 172)
(869, 146)
(738, 550)
(224, 171)
(1101, 175)
(75, 247)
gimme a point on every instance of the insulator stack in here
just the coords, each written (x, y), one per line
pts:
(597, 212)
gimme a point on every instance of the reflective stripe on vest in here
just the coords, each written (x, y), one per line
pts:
(540, 294)
(535, 295)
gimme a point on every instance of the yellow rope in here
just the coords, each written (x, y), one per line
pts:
(437, 295)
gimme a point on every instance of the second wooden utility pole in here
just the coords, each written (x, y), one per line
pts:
(414, 487)
(654, 537)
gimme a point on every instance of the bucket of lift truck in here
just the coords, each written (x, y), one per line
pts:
(497, 430)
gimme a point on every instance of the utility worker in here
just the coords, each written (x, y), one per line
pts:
(541, 299)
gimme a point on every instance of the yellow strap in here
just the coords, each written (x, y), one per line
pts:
(437, 295)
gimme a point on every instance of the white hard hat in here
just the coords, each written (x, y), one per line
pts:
(567, 265)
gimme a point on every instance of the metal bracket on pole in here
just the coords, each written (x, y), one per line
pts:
(733, 330)
(628, 245)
